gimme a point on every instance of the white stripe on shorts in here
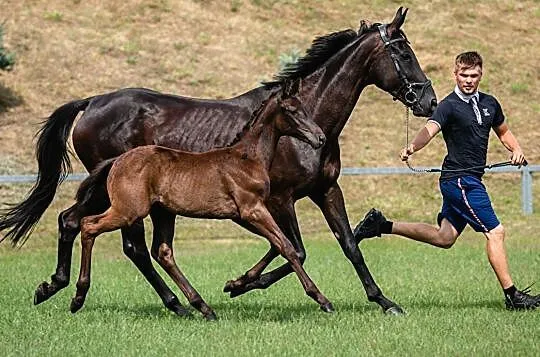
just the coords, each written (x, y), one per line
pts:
(469, 206)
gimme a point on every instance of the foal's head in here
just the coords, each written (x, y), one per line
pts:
(295, 122)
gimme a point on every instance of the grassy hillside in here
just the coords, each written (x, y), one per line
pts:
(217, 49)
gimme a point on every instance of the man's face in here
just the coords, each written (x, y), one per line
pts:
(468, 79)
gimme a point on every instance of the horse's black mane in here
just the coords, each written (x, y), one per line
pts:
(321, 50)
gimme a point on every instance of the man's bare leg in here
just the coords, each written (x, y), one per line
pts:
(443, 237)
(496, 253)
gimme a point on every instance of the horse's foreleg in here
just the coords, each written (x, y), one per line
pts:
(261, 219)
(136, 250)
(332, 206)
(162, 252)
(68, 228)
(285, 216)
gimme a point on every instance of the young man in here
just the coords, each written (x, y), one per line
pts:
(465, 118)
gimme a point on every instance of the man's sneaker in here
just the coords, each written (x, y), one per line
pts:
(370, 226)
(522, 300)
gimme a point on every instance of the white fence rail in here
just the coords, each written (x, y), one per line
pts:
(526, 178)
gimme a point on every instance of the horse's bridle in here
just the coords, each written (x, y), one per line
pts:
(413, 91)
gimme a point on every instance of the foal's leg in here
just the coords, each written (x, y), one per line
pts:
(162, 252)
(91, 227)
(260, 218)
(135, 248)
(285, 216)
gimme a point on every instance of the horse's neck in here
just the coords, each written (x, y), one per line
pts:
(333, 91)
(260, 141)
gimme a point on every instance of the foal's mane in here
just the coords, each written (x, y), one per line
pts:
(251, 120)
(321, 50)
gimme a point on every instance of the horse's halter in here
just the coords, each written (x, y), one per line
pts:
(414, 91)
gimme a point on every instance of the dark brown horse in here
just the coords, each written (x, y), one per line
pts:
(332, 74)
(229, 183)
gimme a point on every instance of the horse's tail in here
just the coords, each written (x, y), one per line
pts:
(53, 167)
(91, 185)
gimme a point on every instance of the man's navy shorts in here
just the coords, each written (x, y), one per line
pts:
(466, 201)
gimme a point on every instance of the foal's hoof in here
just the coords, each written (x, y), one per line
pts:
(327, 307)
(395, 311)
(76, 304)
(42, 293)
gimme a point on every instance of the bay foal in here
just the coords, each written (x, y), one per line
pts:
(228, 183)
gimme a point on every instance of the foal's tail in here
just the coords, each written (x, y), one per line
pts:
(91, 185)
(53, 167)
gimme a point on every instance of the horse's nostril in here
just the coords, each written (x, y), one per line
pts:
(433, 104)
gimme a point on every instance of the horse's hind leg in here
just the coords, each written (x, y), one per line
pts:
(135, 248)
(91, 227)
(162, 252)
(238, 286)
(68, 228)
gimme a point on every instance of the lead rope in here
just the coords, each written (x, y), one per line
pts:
(413, 169)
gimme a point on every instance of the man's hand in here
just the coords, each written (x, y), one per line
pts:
(518, 158)
(406, 152)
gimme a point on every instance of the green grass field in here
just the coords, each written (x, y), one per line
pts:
(453, 301)
(454, 307)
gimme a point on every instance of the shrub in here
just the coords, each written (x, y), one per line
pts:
(288, 58)
(7, 60)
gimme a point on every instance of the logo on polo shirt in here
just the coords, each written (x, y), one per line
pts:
(486, 112)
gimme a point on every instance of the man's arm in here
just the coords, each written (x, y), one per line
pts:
(421, 139)
(510, 142)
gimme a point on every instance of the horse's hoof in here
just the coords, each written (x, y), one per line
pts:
(228, 286)
(76, 304)
(235, 292)
(395, 311)
(327, 307)
(211, 316)
(42, 293)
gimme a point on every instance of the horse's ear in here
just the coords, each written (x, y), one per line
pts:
(398, 20)
(364, 26)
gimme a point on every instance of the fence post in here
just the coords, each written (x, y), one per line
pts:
(526, 191)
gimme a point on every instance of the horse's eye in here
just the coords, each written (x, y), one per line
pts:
(406, 57)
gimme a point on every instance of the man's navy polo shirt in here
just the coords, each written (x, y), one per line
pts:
(466, 139)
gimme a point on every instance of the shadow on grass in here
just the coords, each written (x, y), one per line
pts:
(454, 305)
(236, 311)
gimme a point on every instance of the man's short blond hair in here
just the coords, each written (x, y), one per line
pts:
(467, 60)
